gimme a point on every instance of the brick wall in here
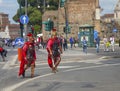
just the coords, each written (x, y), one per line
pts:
(78, 12)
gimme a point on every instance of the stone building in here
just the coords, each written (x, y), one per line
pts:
(52, 15)
(3, 21)
(8, 30)
(107, 21)
(80, 12)
(117, 12)
(117, 18)
(77, 13)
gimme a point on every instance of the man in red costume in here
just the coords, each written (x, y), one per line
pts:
(28, 56)
(56, 58)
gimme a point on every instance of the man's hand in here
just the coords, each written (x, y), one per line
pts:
(50, 53)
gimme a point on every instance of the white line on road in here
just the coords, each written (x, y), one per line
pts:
(11, 88)
(58, 67)
(105, 65)
(10, 62)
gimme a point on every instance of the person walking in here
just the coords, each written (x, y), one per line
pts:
(54, 50)
(28, 56)
(3, 53)
(105, 41)
(64, 43)
(84, 45)
(97, 41)
(74, 39)
(112, 43)
(71, 42)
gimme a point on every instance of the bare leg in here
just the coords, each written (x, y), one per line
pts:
(3, 58)
(26, 67)
(58, 59)
(32, 70)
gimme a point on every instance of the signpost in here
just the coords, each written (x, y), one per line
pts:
(24, 19)
(19, 42)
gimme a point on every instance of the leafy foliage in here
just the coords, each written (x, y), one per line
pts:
(34, 13)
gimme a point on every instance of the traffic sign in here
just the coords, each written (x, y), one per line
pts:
(114, 30)
(19, 41)
(24, 19)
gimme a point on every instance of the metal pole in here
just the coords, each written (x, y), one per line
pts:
(44, 6)
(66, 20)
(21, 26)
(26, 15)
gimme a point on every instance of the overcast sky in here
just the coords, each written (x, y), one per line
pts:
(10, 7)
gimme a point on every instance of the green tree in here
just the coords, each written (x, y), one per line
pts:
(34, 13)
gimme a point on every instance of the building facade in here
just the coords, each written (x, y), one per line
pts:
(8, 30)
(3, 21)
(77, 13)
(117, 19)
(107, 23)
(111, 23)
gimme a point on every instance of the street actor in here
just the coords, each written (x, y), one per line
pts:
(28, 56)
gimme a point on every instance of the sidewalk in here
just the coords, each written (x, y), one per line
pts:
(78, 54)
(69, 54)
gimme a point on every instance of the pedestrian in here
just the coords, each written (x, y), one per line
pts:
(105, 42)
(71, 41)
(3, 53)
(61, 41)
(97, 42)
(84, 45)
(28, 56)
(64, 43)
(107, 46)
(112, 43)
(54, 50)
(13, 44)
(74, 39)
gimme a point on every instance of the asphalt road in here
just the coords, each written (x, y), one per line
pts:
(77, 72)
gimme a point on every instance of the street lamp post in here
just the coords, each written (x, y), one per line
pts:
(66, 20)
(26, 15)
(44, 6)
(21, 25)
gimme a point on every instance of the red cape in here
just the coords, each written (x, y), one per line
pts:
(23, 61)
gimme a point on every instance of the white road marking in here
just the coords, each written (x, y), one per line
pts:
(104, 65)
(10, 62)
(62, 67)
(2, 62)
(98, 61)
(11, 88)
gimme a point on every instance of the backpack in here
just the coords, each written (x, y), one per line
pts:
(55, 48)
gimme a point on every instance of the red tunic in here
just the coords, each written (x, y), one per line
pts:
(24, 61)
(49, 46)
